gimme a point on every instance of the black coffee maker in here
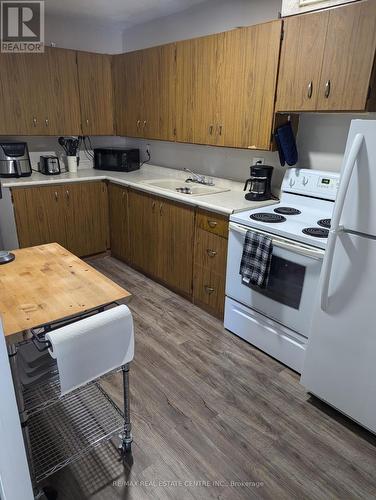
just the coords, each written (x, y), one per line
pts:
(260, 183)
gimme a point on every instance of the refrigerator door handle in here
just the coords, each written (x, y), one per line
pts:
(336, 218)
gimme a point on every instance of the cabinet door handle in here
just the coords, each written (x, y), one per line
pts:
(327, 89)
(161, 209)
(212, 223)
(87, 121)
(138, 124)
(209, 289)
(34, 121)
(211, 128)
(67, 194)
(153, 206)
(310, 90)
(220, 128)
(55, 195)
(145, 122)
(211, 253)
(46, 122)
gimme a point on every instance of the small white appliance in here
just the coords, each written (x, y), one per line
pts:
(276, 318)
(340, 365)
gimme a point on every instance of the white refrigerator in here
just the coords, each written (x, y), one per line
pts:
(340, 361)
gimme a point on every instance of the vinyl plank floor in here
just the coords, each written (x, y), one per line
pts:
(213, 417)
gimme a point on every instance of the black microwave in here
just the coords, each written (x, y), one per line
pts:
(117, 159)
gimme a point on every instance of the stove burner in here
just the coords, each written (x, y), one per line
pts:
(317, 232)
(324, 223)
(287, 211)
(267, 217)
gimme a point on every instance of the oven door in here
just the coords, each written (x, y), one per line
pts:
(295, 269)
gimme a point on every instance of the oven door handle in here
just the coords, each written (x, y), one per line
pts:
(301, 249)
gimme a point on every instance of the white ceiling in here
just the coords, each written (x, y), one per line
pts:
(125, 12)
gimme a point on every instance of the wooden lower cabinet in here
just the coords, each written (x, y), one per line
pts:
(161, 234)
(210, 260)
(119, 227)
(74, 215)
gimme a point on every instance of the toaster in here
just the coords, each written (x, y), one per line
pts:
(49, 165)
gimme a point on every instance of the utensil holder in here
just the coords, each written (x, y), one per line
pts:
(72, 164)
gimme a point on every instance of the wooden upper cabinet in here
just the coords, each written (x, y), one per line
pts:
(301, 60)
(327, 60)
(198, 75)
(39, 93)
(57, 84)
(96, 93)
(128, 94)
(158, 83)
(248, 83)
(348, 58)
(144, 86)
(14, 95)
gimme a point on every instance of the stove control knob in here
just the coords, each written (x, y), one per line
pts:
(305, 181)
(292, 183)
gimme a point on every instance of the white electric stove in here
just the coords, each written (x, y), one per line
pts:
(276, 319)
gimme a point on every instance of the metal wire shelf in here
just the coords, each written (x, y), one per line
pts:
(68, 429)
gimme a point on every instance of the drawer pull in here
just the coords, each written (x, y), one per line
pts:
(212, 223)
(310, 90)
(55, 195)
(211, 253)
(327, 89)
(209, 289)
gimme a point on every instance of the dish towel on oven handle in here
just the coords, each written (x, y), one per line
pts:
(256, 259)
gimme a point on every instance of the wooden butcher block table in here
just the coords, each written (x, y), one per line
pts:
(47, 283)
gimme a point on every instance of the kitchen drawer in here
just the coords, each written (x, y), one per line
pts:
(209, 290)
(211, 251)
(212, 222)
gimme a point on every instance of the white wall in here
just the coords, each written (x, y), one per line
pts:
(72, 33)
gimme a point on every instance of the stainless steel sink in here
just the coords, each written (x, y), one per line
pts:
(182, 187)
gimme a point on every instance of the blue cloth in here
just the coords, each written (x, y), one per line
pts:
(286, 144)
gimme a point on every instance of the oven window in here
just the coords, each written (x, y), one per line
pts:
(286, 280)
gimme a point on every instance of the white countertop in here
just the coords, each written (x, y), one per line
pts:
(226, 202)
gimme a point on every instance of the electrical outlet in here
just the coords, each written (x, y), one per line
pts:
(258, 161)
(148, 149)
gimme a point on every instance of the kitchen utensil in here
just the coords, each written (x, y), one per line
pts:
(14, 159)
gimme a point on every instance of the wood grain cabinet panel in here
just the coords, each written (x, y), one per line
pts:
(128, 93)
(209, 290)
(87, 217)
(175, 249)
(247, 87)
(348, 58)
(143, 231)
(39, 214)
(301, 60)
(54, 86)
(210, 260)
(197, 89)
(119, 225)
(96, 93)
(212, 222)
(74, 215)
(15, 104)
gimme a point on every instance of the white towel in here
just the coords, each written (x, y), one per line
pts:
(87, 349)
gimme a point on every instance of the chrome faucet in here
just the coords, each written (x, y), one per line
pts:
(200, 179)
